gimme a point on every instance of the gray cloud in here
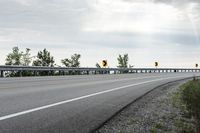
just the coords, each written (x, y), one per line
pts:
(63, 24)
(37, 14)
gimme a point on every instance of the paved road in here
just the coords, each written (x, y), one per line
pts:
(71, 104)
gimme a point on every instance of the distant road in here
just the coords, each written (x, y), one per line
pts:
(71, 104)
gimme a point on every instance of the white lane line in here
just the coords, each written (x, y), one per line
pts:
(79, 98)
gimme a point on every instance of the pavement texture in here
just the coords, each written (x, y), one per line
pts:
(71, 104)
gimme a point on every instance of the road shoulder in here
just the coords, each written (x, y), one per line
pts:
(158, 111)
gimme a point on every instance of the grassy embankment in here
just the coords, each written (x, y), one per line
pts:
(190, 97)
(188, 100)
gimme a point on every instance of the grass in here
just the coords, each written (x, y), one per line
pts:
(153, 130)
(187, 100)
(184, 127)
(190, 95)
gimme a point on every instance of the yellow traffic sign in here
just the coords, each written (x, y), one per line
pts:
(104, 63)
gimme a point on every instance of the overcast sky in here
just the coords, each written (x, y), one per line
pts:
(166, 31)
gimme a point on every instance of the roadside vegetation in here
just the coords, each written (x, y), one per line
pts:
(187, 100)
(190, 95)
(173, 108)
(44, 58)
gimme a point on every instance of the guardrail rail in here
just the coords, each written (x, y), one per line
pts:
(90, 70)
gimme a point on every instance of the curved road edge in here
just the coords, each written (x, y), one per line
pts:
(140, 97)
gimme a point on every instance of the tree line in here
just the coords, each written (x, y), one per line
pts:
(44, 58)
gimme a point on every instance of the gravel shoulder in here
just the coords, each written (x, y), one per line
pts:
(159, 111)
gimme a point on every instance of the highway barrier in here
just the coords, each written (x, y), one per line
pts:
(87, 70)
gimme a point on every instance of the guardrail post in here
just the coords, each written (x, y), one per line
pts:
(20, 73)
(115, 72)
(59, 73)
(35, 73)
(2, 73)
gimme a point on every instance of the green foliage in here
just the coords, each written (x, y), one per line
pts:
(14, 58)
(26, 58)
(123, 61)
(153, 130)
(184, 126)
(44, 59)
(17, 57)
(73, 62)
(159, 126)
(191, 97)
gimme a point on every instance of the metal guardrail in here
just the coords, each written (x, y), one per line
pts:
(88, 70)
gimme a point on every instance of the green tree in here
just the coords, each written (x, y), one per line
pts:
(26, 58)
(73, 62)
(14, 58)
(17, 57)
(44, 59)
(123, 61)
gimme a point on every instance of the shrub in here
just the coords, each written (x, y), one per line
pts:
(191, 97)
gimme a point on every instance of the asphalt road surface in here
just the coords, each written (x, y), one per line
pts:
(71, 104)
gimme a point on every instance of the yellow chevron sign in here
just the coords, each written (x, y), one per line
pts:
(104, 63)
(156, 64)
